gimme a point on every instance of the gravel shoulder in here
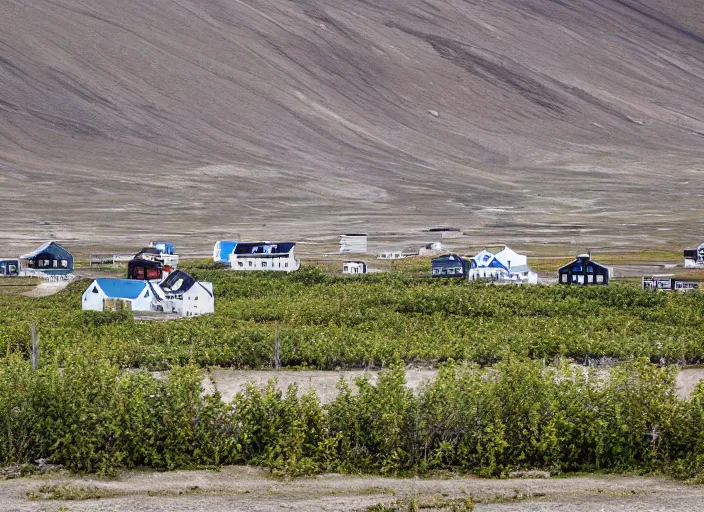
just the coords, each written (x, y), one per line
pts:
(254, 490)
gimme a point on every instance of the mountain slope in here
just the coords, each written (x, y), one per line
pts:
(526, 118)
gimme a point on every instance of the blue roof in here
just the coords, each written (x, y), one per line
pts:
(224, 248)
(121, 288)
(164, 247)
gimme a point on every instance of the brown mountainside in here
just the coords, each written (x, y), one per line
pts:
(568, 120)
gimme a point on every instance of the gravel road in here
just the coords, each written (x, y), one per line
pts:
(236, 489)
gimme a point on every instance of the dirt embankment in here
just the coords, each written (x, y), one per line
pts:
(324, 383)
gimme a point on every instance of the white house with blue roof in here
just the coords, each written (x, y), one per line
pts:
(506, 265)
(138, 293)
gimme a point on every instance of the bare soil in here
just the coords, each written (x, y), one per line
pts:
(325, 383)
(253, 490)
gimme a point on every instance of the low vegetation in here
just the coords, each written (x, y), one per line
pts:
(92, 416)
(327, 321)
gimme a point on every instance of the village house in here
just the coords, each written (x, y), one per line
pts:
(50, 261)
(694, 258)
(105, 294)
(182, 294)
(450, 265)
(167, 251)
(354, 267)
(263, 256)
(222, 251)
(9, 267)
(506, 265)
(583, 271)
(148, 265)
(353, 243)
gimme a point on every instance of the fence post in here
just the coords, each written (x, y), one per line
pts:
(277, 347)
(35, 347)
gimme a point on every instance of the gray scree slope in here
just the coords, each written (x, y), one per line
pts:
(556, 120)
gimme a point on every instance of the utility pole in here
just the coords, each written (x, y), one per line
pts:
(277, 347)
(35, 347)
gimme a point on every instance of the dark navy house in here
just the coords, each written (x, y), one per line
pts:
(450, 265)
(583, 271)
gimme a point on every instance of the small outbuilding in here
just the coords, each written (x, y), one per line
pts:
(694, 258)
(668, 283)
(450, 265)
(105, 292)
(354, 267)
(9, 267)
(183, 295)
(353, 243)
(222, 250)
(583, 271)
(49, 260)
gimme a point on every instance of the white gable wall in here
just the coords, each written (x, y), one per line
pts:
(94, 301)
(282, 263)
(194, 302)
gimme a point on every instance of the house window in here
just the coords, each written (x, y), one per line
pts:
(590, 279)
(286, 265)
(56, 263)
(250, 263)
(95, 289)
(599, 279)
(263, 264)
(64, 263)
(240, 264)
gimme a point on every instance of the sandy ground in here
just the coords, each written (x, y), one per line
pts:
(241, 489)
(324, 383)
(47, 288)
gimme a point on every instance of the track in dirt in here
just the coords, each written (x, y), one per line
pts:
(557, 120)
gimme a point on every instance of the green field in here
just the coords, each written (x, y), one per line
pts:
(327, 321)
(505, 397)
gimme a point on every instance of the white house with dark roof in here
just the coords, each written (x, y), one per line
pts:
(264, 256)
(182, 294)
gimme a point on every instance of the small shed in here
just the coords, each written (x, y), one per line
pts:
(449, 265)
(9, 267)
(584, 271)
(694, 258)
(47, 260)
(102, 291)
(353, 243)
(222, 250)
(668, 283)
(183, 295)
(354, 267)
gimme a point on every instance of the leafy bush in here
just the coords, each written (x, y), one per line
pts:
(92, 416)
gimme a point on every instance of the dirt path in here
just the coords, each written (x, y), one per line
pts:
(324, 383)
(244, 489)
(46, 288)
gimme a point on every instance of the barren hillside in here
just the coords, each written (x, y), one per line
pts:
(567, 120)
